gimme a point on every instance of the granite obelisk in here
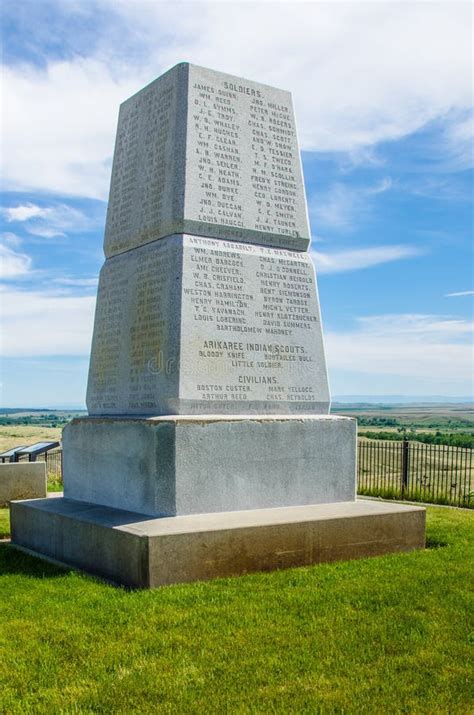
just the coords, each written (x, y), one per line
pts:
(207, 300)
(208, 449)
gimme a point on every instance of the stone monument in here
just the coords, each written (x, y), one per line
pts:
(208, 449)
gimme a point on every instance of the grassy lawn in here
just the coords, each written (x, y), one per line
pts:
(4, 523)
(389, 634)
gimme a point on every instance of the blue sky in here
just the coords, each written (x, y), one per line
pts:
(383, 97)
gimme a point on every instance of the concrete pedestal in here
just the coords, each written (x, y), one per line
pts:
(172, 466)
(22, 480)
(149, 502)
(141, 552)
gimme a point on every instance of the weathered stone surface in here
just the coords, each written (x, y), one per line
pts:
(170, 466)
(190, 325)
(206, 153)
(22, 480)
(200, 321)
(144, 553)
(134, 367)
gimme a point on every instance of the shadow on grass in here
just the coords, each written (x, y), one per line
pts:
(15, 561)
(434, 543)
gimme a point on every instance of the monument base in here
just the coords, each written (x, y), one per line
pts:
(140, 552)
(177, 465)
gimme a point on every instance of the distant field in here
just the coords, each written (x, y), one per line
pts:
(25, 427)
(420, 428)
(446, 417)
(16, 435)
(436, 473)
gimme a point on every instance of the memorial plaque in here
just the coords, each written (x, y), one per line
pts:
(209, 154)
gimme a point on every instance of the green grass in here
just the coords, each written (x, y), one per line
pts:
(4, 523)
(389, 634)
(416, 495)
(54, 485)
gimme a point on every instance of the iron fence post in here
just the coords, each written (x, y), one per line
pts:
(405, 465)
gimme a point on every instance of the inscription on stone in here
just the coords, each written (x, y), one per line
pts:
(196, 325)
(252, 323)
(207, 301)
(143, 201)
(206, 153)
(243, 165)
(135, 349)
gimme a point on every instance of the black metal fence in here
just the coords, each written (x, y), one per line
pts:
(438, 474)
(435, 473)
(54, 468)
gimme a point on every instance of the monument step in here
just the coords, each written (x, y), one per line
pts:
(144, 552)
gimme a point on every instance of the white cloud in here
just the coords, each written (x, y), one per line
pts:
(356, 259)
(60, 126)
(460, 293)
(424, 346)
(23, 212)
(335, 208)
(48, 221)
(343, 207)
(360, 73)
(80, 282)
(380, 187)
(423, 326)
(457, 143)
(37, 323)
(13, 264)
(11, 239)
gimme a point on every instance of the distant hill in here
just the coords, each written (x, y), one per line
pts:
(57, 408)
(400, 400)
